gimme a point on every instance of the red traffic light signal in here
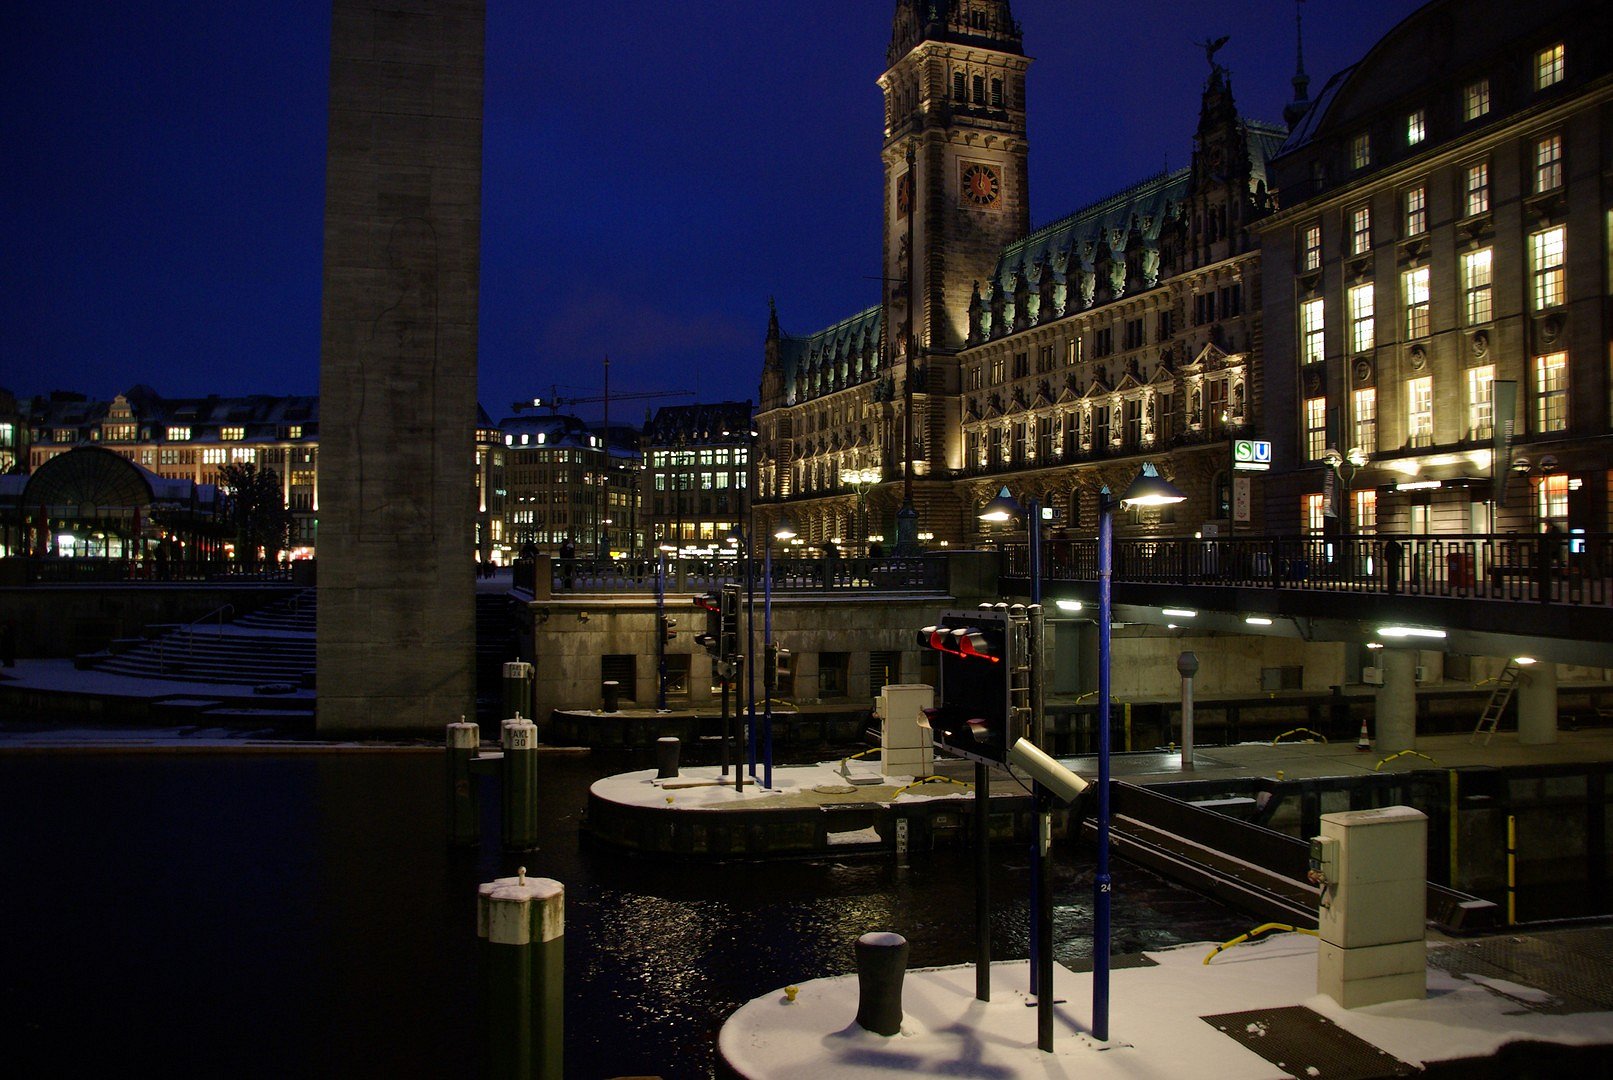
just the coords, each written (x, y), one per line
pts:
(966, 641)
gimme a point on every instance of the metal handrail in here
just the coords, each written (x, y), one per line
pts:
(189, 630)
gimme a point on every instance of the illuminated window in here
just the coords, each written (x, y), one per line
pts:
(178, 434)
(1311, 245)
(1476, 286)
(1310, 332)
(1549, 66)
(1416, 292)
(294, 431)
(1361, 230)
(232, 434)
(1420, 411)
(1362, 321)
(1476, 100)
(215, 456)
(1549, 255)
(1365, 405)
(242, 453)
(1416, 128)
(1315, 427)
(1366, 510)
(1551, 392)
(1549, 163)
(1416, 210)
(1476, 189)
(1315, 518)
(1551, 500)
(1361, 151)
(1481, 402)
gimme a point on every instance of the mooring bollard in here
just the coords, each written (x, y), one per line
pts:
(519, 816)
(518, 688)
(612, 694)
(464, 821)
(667, 749)
(881, 964)
(521, 922)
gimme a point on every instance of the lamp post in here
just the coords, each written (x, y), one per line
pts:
(737, 537)
(785, 531)
(860, 480)
(1148, 489)
(1004, 508)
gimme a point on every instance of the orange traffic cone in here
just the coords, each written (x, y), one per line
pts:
(1363, 743)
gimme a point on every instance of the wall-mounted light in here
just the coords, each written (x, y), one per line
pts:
(1179, 612)
(1068, 605)
(1524, 661)
(1409, 631)
(1257, 620)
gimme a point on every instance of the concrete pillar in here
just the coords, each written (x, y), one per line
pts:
(1066, 656)
(1396, 702)
(1087, 652)
(402, 229)
(1537, 705)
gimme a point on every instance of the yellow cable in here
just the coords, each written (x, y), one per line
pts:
(1263, 928)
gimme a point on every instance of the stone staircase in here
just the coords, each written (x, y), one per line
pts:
(270, 647)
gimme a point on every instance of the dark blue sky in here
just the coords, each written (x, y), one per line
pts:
(653, 173)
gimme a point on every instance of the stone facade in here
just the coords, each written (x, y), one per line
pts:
(1443, 231)
(398, 365)
(1055, 360)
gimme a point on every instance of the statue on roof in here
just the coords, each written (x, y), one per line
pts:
(1211, 48)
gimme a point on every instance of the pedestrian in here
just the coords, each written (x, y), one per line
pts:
(568, 561)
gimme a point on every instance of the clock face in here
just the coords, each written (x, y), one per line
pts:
(982, 184)
(904, 194)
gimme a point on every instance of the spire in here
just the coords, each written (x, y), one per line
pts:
(1294, 110)
(772, 320)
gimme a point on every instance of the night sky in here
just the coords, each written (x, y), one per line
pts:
(653, 173)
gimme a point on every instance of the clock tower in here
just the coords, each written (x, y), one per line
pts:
(955, 195)
(954, 156)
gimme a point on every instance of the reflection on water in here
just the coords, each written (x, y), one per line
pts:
(299, 914)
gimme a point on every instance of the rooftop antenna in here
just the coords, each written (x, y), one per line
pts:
(1295, 109)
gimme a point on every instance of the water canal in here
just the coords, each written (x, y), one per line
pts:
(298, 914)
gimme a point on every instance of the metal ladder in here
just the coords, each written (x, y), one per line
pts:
(1505, 684)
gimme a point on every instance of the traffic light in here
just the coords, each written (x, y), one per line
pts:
(729, 619)
(711, 638)
(669, 629)
(975, 716)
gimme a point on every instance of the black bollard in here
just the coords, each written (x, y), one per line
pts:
(464, 816)
(519, 816)
(666, 757)
(881, 964)
(612, 695)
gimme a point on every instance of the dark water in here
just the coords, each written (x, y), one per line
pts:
(299, 915)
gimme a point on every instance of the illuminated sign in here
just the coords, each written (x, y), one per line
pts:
(1251, 455)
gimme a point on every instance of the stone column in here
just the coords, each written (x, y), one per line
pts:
(397, 516)
(1396, 701)
(1537, 704)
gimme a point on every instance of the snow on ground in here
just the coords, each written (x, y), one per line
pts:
(1155, 1027)
(703, 787)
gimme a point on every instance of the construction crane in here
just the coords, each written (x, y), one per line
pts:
(554, 402)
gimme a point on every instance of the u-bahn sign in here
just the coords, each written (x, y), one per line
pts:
(1251, 455)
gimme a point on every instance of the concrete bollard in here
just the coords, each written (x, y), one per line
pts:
(464, 821)
(667, 749)
(519, 811)
(881, 965)
(521, 922)
(612, 695)
(518, 688)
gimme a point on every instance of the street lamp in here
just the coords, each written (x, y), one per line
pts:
(1148, 489)
(860, 480)
(783, 530)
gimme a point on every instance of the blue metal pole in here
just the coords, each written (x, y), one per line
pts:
(660, 631)
(1033, 530)
(750, 655)
(769, 670)
(1101, 934)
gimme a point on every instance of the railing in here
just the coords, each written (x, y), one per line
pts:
(219, 615)
(923, 573)
(1546, 568)
(63, 570)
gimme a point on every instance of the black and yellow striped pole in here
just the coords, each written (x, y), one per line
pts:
(521, 922)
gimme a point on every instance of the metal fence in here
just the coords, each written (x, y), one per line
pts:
(63, 570)
(923, 573)
(1548, 568)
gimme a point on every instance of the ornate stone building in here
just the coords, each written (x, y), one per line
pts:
(1054, 361)
(1440, 269)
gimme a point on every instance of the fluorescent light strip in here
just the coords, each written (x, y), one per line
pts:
(1180, 613)
(1409, 631)
(1068, 605)
(1257, 620)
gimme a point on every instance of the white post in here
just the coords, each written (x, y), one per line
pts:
(1188, 665)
